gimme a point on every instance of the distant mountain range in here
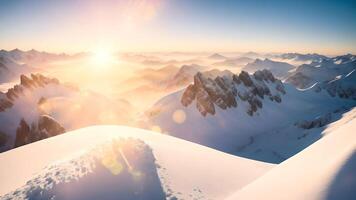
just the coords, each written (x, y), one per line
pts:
(302, 57)
(325, 70)
(279, 69)
(16, 62)
(298, 119)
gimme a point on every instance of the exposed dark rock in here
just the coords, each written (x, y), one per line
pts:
(277, 98)
(268, 75)
(299, 80)
(280, 86)
(236, 79)
(4, 104)
(36, 80)
(265, 75)
(225, 91)
(316, 123)
(22, 134)
(42, 101)
(50, 125)
(25, 81)
(245, 78)
(45, 127)
(204, 103)
(11, 95)
(3, 138)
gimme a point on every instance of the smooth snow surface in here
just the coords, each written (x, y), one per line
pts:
(98, 162)
(326, 170)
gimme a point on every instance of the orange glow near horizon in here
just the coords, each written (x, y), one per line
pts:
(102, 59)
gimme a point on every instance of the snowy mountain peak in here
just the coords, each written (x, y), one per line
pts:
(313, 57)
(227, 91)
(35, 81)
(322, 72)
(343, 86)
(217, 56)
(279, 69)
(344, 59)
(16, 51)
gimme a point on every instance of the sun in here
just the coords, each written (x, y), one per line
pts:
(102, 58)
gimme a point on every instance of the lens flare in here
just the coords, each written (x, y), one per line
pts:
(179, 116)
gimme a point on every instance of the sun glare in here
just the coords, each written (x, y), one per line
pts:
(102, 58)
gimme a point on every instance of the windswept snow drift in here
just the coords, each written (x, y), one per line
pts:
(104, 162)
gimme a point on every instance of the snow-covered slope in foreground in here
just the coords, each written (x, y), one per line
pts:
(107, 162)
(325, 170)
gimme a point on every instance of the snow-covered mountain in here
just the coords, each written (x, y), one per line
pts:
(323, 171)
(326, 70)
(234, 62)
(153, 84)
(220, 92)
(20, 112)
(279, 69)
(31, 57)
(10, 69)
(342, 86)
(217, 56)
(184, 75)
(41, 107)
(16, 62)
(253, 55)
(107, 162)
(239, 113)
(222, 135)
(301, 57)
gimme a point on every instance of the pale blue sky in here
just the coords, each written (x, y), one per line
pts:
(180, 25)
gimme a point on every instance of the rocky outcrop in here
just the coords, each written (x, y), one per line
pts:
(226, 91)
(4, 104)
(299, 80)
(315, 123)
(3, 138)
(26, 83)
(22, 134)
(45, 127)
(50, 126)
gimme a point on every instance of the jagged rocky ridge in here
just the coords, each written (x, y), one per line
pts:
(27, 127)
(35, 81)
(226, 91)
(45, 127)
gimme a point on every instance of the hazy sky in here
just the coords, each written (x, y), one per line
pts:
(179, 25)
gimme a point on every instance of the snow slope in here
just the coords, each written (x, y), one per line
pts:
(231, 129)
(279, 69)
(325, 70)
(77, 164)
(325, 170)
